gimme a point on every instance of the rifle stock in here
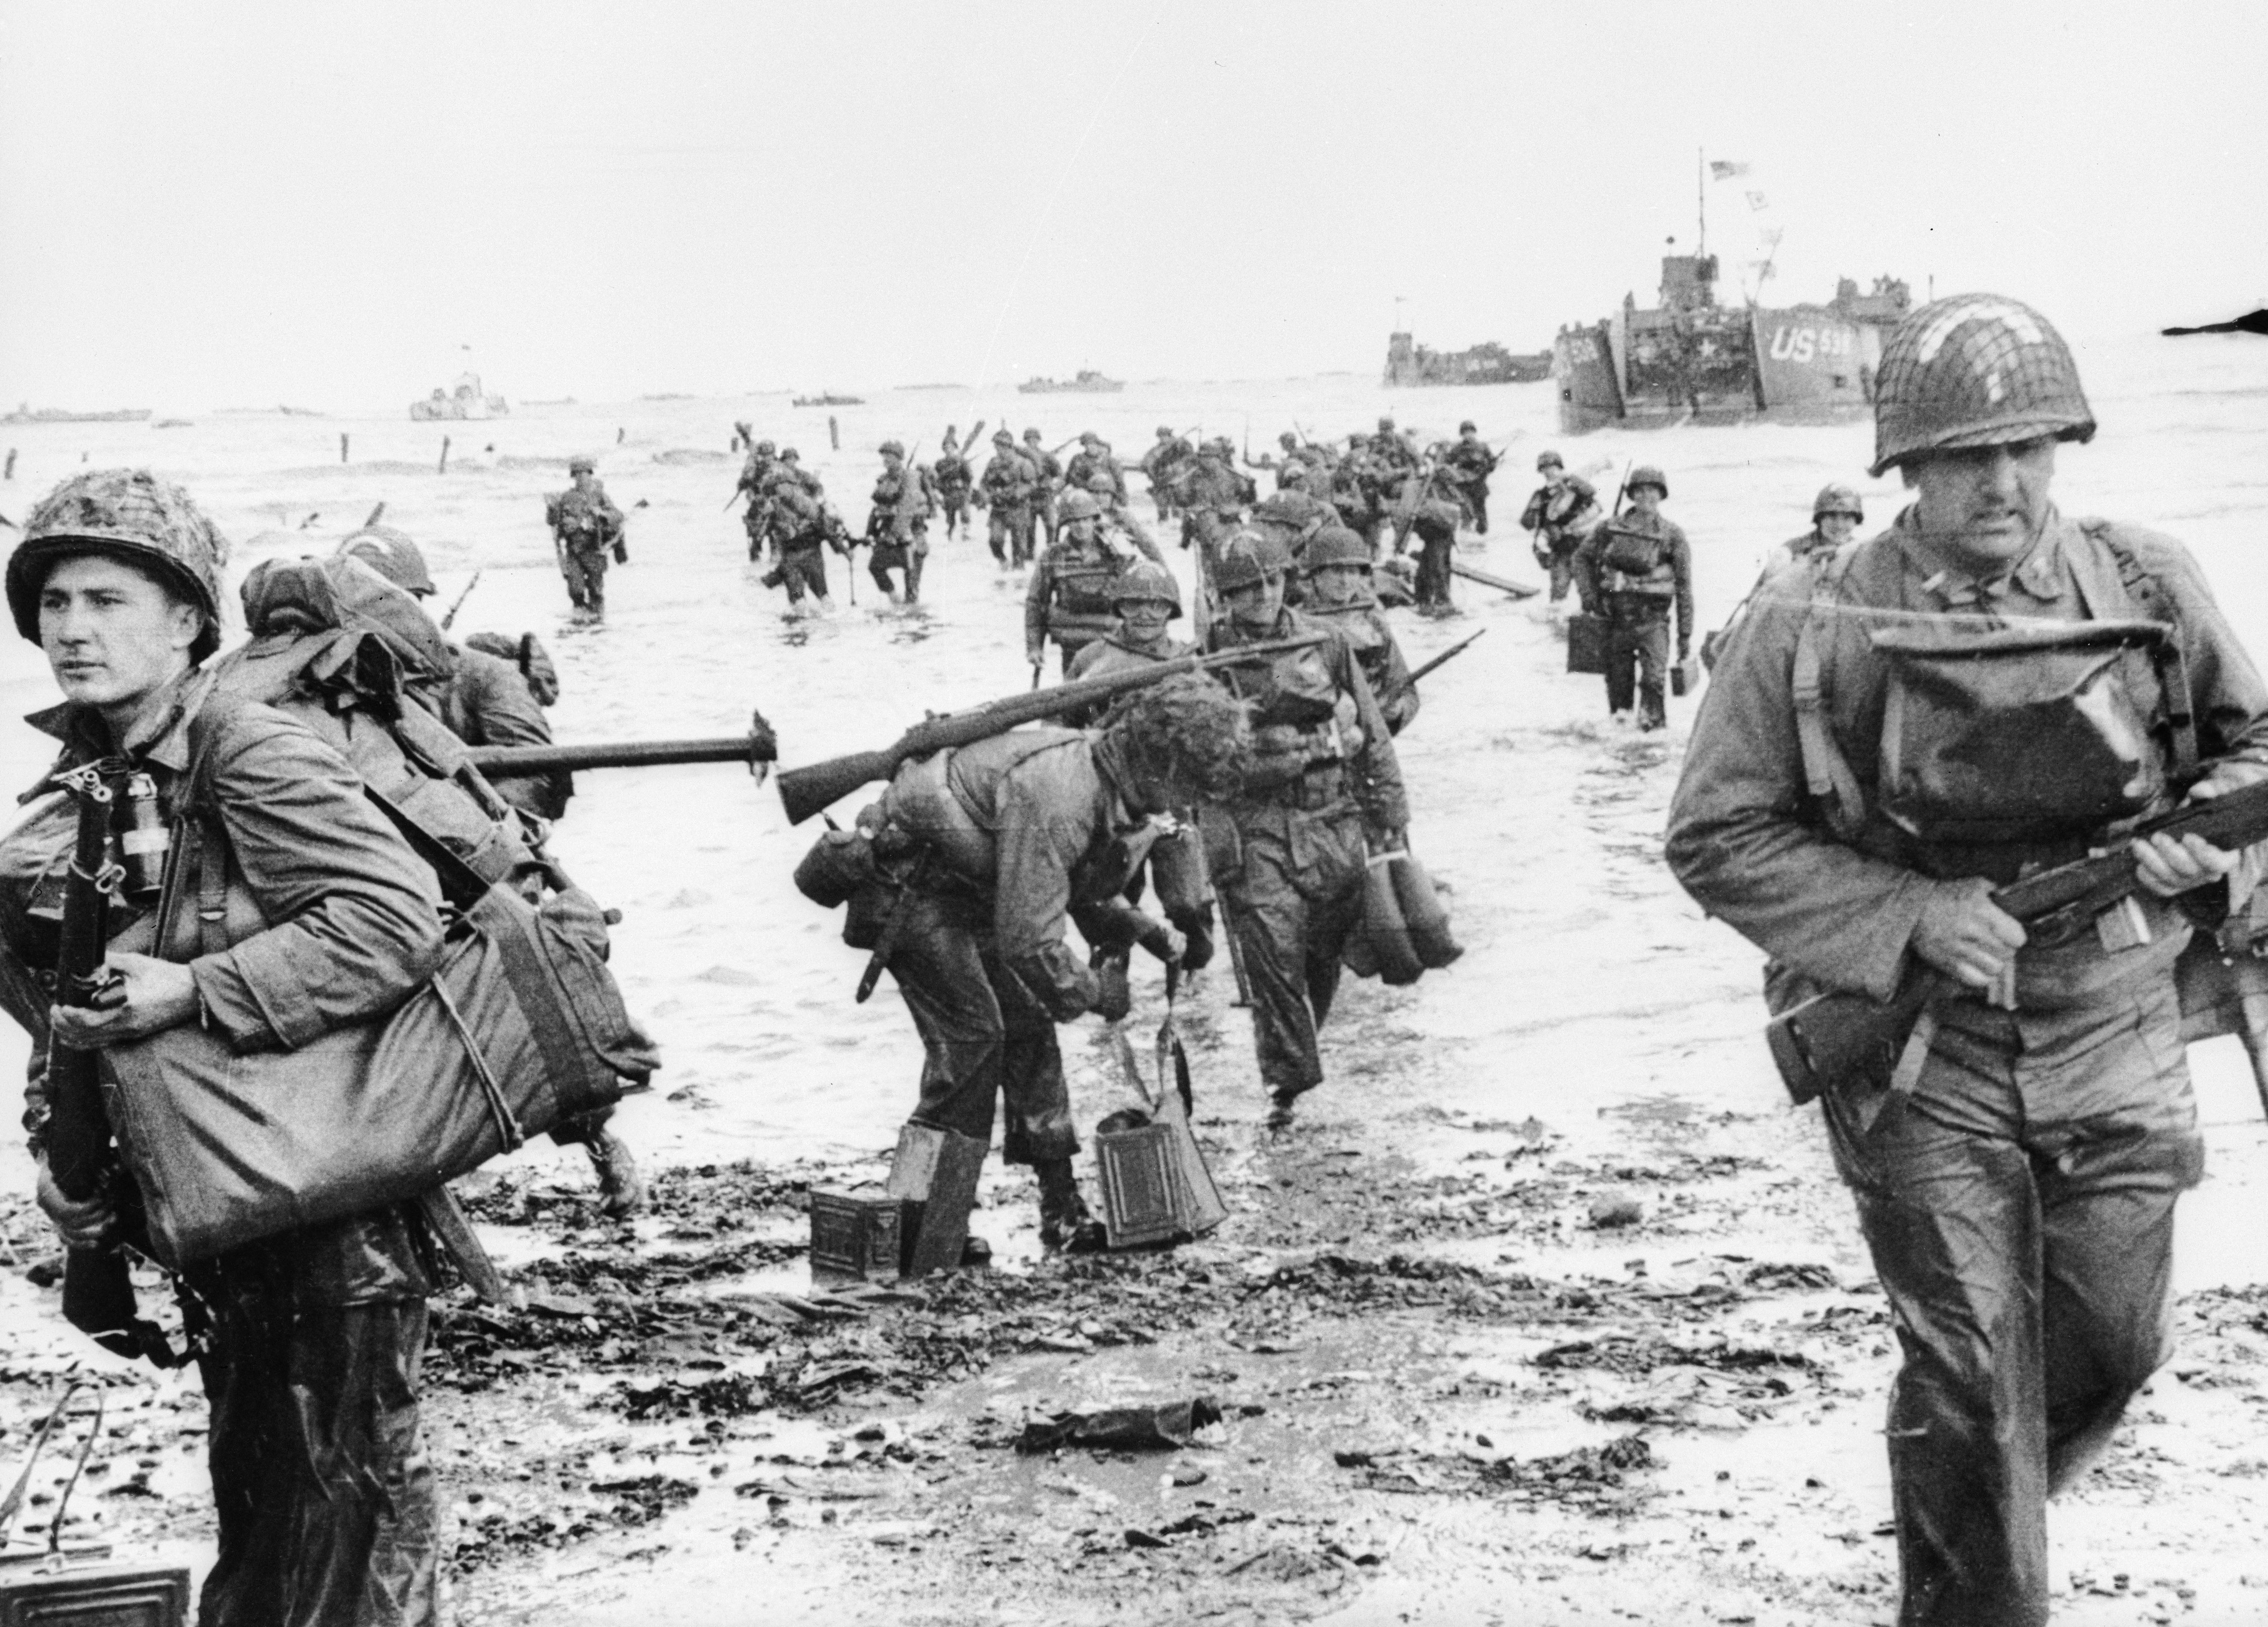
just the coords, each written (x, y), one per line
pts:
(1844, 1036)
(807, 790)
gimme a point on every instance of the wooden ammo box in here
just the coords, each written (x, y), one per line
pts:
(1586, 643)
(1145, 1198)
(94, 1596)
(856, 1236)
(934, 1176)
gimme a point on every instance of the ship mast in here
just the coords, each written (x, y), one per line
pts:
(1701, 197)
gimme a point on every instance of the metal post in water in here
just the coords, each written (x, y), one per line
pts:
(342, 445)
(444, 469)
(834, 435)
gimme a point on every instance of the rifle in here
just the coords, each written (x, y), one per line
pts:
(460, 603)
(1842, 1035)
(758, 749)
(1517, 590)
(805, 792)
(97, 1290)
(1448, 655)
(1621, 486)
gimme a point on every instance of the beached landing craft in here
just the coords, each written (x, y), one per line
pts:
(1691, 360)
(1088, 382)
(1407, 362)
(465, 401)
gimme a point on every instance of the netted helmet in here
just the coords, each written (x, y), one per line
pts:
(1549, 460)
(581, 465)
(1147, 579)
(1076, 505)
(1977, 370)
(134, 515)
(893, 449)
(1247, 557)
(1837, 500)
(393, 555)
(1335, 545)
(1001, 437)
(767, 448)
(1646, 475)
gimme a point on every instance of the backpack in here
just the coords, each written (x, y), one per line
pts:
(1634, 553)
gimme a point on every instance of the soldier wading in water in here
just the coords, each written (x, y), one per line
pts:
(2016, 1177)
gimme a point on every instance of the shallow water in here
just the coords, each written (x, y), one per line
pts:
(1590, 982)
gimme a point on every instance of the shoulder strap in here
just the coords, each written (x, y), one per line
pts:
(1826, 771)
(2150, 596)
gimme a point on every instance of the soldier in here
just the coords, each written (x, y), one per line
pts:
(1211, 494)
(1425, 506)
(1292, 517)
(1323, 789)
(323, 1491)
(791, 468)
(1469, 463)
(1563, 510)
(1393, 448)
(491, 702)
(1340, 595)
(897, 525)
(1047, 480)
(757, 469)
(1145, 597)
(1836, 516)
(1092, 458)
(585, 526)
(1292, 458)
(1631, 570)
(798, 525)
(1162, 464)
(1000, 843)
(1357, 492)
(2016, 1184)
(1006, 490)
(1069, 597)
(953, 479)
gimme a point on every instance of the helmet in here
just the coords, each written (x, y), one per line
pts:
(1468, 428)
(1288, 441)
(1031, 435)
(1101, 484)
(1293, 473)
(1074, 506)
(1088, 438)
(893, 449)
(790, 456)
(1165, 431)
(1837, 500)
(131, 513)
(1145, 578)
(1001, 437)
(1549, 460)
(767, 448)
(1335, 545)
(393, 555)
(582, 463)
(1385, 424)
(1247, 556)
(1977, 370)
(1646, 475)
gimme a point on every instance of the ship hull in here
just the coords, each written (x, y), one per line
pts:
(1644, 370)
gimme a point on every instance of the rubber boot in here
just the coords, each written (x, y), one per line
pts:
(1065, 1225)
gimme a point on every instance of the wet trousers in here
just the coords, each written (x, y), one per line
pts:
(906, 556)
(2019, 1204)
(1043, 518)
(1434, 564)
(1476, 497)
(1293, 897)
(955, 507)
(1010, 533)
(802, 568)
(324, 1494)
(585, 571)
(1638, 657)
(986, 1039)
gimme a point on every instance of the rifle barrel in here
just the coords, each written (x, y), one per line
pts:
(1448, 655)
(516, 759)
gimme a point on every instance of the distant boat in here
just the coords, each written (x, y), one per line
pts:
(828, 401)
(932, 386)
(2251, 322)
(27, 413)
(1407, 362)
(667, 395)
(466, 400)
(1088, 382)
(172, 424)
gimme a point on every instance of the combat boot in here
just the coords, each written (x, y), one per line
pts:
(1065, 1225)
(913, 577)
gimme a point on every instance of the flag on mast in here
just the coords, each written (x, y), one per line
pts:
(1722, 169)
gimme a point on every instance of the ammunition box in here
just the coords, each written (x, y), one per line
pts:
(1586, 643)
(1144, 1198)
(934, 1175)
(99, 1595)
(856, 1236)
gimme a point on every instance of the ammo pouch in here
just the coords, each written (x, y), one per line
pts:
(2022, 734)
(840, 869)
(1296, 689)
(1634, 553)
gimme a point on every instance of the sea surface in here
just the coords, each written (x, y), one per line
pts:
(1591, 983)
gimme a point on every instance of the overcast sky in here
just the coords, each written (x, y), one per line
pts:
(229, 203)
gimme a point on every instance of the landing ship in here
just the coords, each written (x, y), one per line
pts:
(1691, 360)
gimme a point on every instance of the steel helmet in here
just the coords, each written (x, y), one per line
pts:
(1977, 370)
(1385, 423)
(1088, 438)
(132, 514)
(582, 464)
(1469, 428)
(1001, 437)
(1031, 435)
(767, 448)
(1293, 473)
(393, 555)
(790, 456)
(892, 449)
(1165, 432)
(1646, 475)
(1247, 556)
(1101, 484)
(1837, 500)
(1549, 460)
(1147, 579)
(1076, 505)
(1335, 545)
